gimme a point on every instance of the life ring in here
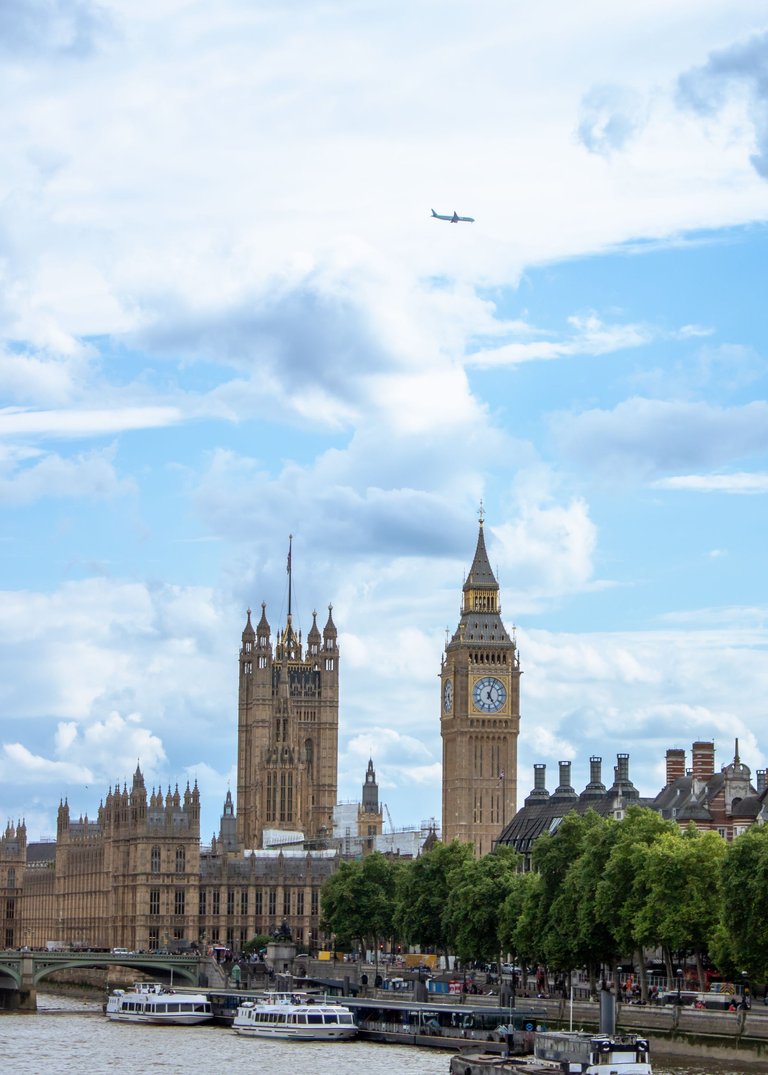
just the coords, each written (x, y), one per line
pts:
(642, 1045)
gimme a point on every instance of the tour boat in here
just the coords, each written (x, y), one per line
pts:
(562, 1051)
(593, 1054)
(294, 1016)
(152, 1002)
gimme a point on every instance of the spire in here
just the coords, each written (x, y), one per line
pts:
(329, 631)
(248, 632)
(481, 576)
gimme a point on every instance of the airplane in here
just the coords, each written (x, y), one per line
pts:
(455, 218)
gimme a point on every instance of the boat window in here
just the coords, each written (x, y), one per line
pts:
(315, 1017)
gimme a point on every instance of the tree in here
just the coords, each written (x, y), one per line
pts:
(256, 944)
(358, 901)
(424, 886)
(683, 893)
(743, 937)
(474, 905)
(567, 897)
(622, 891)
(519, 922)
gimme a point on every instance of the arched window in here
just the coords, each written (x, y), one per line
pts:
(181, 860)
(155, 866)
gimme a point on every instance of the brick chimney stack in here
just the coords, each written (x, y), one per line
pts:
(675, 764)
(703, 760)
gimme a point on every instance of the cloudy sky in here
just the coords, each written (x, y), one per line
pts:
(227, 315)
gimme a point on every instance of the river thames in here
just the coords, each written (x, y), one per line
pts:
(70, 1036)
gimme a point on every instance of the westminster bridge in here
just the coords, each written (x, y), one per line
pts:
(22, 971)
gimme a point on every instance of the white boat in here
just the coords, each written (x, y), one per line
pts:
(152, 1002)
(593, 1054)
(294, 1016)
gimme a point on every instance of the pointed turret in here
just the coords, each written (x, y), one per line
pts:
(481, 576)
(263, 629)
(480, 607)
(249, 635)
(314, 638)
(370, 804)
(330, 633)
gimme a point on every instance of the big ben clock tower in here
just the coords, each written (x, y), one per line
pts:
(479, 714)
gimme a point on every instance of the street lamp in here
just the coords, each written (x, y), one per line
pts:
(679, 984)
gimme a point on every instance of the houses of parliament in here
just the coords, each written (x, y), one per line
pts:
(135, 875)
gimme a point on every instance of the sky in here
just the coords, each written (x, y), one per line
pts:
(227, 315)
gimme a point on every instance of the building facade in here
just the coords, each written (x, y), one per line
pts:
(136, 876)
(724, 801)
(479, 714)
(288, 729)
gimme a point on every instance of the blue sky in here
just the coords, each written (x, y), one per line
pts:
(226, 315)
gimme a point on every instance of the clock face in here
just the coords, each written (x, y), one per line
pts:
(448, 696)
(489, 694)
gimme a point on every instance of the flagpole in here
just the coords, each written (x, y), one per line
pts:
(288, 569)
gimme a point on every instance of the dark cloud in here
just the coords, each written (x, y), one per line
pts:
(45, 27)
(299, 337)
(705, 89)
(610, 116)
(648, 438)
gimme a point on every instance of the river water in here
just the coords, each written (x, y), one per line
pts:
(70, 1036)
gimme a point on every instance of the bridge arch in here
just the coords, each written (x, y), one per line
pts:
(162, 969)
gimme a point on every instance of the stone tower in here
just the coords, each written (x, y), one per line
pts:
(479, 714)
(369, 813)
(288, 725)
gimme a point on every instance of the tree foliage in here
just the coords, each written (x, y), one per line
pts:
(423, 891)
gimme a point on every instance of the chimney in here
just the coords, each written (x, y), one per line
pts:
(760, 775)
(595, 766)
(565, 776)
(622, 768)
(539, 786)
(675, 765)
(703, 760)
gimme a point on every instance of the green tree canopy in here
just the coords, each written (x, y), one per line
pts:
(474, 905)
(424, 886)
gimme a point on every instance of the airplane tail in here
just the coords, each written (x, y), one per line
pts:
(434, 213)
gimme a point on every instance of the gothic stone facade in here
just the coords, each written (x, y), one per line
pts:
(288, 731)
(136, 877)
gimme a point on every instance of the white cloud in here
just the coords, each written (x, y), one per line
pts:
(739, 68)
(19, 764)
(590, 336)
(28, 476)
(83, 423)
(740, 483)
(643, 438)
(610, 116)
